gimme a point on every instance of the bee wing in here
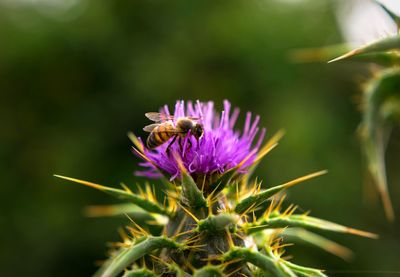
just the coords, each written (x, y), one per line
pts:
(150, 128)
(194, 118)
(158, 117)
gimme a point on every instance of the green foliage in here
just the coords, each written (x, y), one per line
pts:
(380, 114)
(380, 99)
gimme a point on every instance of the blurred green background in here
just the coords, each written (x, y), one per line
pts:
(77, 75)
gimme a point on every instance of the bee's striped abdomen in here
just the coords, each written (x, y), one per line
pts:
(160, 135)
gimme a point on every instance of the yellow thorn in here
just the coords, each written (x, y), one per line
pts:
(257, 226)
(123, 234)
(126, 188)
(135, 141)
(225, 264)
(99, 210)
(143, 156)
(149, 193)
(286, 212)
(247, 210)
(135, 233)
(293, 210)
(239, 236)
(361, 233)
(278, 206)
(86, 183)
(204, 183)
(159, 259)
(165, 201)
(276, 247)
(304, 178)
(269, 210)
(230, 240)
(251, 154)
(189, 213)
(271, 144)
(347, 55)
(137, 225)
(141, 192)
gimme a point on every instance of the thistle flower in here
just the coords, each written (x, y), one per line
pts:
(235, 229)
(218, 150)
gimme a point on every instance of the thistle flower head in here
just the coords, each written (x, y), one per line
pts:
(219, 149)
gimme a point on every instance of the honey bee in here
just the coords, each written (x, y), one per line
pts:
(164, 129)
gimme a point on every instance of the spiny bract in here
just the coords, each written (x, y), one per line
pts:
(213, 220)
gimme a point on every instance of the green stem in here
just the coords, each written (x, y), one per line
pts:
(265, 263)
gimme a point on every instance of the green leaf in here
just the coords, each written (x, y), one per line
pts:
(271, 263)
(380, 103)
(303, 221)
(115, 210)
(129, 255)
(258, 199)
(304, 271)
(302, 235)
(124, 195)
(386, 44)
(327, 53)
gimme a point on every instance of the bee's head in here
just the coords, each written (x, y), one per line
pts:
(198, 130)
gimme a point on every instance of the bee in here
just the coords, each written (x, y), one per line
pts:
(164, 129)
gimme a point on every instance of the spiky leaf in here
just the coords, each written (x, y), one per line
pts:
(122, 194)
(386, 44)
(304, 221)
(129, 255)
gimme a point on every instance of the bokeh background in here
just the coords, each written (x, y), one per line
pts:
(76, 76)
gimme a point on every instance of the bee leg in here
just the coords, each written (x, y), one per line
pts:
(169, 146)
(190, 143)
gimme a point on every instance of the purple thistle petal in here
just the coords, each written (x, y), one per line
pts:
(219, 149)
